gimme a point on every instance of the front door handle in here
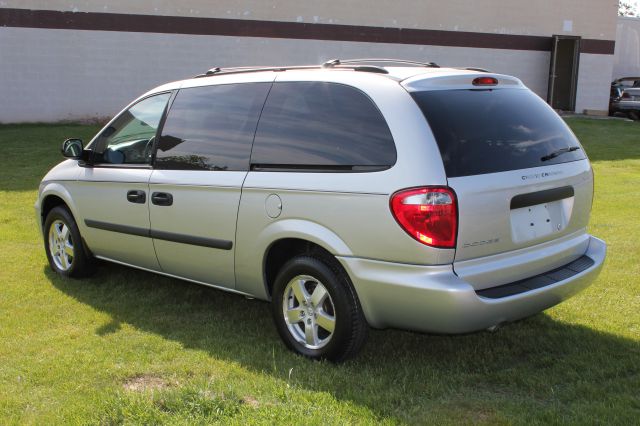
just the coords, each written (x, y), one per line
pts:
(162, 199)
(137, 196)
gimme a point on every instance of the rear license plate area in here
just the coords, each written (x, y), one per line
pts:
(540, 220)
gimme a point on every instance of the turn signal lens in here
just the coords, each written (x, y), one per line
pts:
(428, 214)
(485, 81)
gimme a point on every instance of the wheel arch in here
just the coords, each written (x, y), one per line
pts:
(296, 237)
(54, 195)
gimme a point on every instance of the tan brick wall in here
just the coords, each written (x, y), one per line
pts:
(627, 57)
(56, 74)
(588, 18)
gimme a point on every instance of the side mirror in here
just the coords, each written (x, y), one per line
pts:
(72, 148)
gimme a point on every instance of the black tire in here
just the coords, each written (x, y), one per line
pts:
(80, 263)
(350, 326)
(634, 115)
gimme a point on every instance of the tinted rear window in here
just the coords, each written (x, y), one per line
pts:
(211, 127)
(319, 124)
(488, 131)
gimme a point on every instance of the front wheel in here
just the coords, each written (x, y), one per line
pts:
(316, 310)
(65, 251)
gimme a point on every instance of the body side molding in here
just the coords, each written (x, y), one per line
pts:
(161, 235)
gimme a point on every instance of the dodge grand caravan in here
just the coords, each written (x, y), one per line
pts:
(356, 194)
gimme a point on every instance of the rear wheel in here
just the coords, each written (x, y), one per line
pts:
(64, 247)
(634, 115)
(316, 310)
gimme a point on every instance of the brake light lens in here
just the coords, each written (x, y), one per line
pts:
(485, 81)
(428, 214)
(625, 95)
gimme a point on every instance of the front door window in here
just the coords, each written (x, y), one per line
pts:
(129, 138)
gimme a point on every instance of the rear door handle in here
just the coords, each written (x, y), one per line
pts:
(162, 199)
(137, 196)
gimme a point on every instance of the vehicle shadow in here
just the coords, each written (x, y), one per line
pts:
(537, 363)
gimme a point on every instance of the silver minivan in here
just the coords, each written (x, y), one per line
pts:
(355, 194)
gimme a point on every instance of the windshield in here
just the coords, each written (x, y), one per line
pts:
(495, 130)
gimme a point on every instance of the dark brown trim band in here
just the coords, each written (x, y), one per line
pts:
(277, 29)
(601, 47)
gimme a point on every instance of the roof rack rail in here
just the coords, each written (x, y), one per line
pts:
(354, 64)
(336, 62)
(237, 70)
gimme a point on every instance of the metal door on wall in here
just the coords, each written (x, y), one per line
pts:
(563, 72)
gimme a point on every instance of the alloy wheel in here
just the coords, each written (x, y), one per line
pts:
(61, 245)
(309, 312)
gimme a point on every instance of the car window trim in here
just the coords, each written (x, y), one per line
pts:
(120, 166)
(167, 108)
(315, 168)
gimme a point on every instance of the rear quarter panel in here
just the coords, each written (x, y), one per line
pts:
(346, 213)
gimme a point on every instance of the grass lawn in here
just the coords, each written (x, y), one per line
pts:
(127, 346)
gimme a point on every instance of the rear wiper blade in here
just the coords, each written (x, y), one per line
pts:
(561, 151)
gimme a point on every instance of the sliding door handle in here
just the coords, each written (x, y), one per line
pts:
(137, 196)
(162, 199)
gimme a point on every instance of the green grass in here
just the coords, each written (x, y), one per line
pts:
(126, 346)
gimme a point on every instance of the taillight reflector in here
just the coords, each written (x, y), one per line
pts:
(625, 95)
(485, 81)
(428, 214)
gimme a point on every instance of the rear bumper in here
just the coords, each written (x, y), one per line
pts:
(434, 299)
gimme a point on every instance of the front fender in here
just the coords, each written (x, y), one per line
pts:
(55, 183)
(56, 189)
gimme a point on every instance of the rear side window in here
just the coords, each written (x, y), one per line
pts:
(319, 125)
(211, 127)
(488, 131)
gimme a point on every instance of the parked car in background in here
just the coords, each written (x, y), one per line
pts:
(624, 98)
(349, 194)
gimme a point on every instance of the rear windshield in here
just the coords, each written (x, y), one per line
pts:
(488, 131)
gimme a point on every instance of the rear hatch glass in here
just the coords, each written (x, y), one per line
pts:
(487, 138)
(495, 130)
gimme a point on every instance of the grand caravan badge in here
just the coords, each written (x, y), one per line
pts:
(541, 175)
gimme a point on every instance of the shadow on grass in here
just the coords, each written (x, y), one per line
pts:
(552, 368)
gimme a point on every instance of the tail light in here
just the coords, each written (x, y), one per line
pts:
(625, 95)
(428, 214)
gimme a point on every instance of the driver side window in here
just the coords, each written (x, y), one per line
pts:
(129, 138)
